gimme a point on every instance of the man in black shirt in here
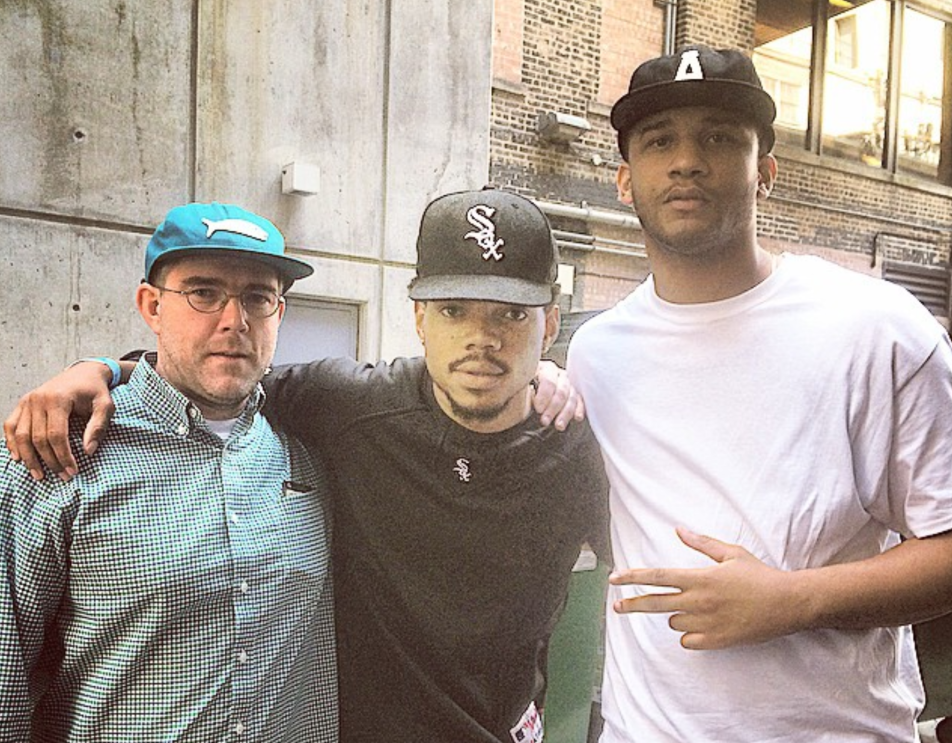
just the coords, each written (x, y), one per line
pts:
(458, 516)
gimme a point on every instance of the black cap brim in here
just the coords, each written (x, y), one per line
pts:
(483, 288)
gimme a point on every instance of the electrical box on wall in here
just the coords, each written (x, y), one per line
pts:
(566, 278)
(300, 179)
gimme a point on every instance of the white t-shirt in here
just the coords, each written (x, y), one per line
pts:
(808, 420)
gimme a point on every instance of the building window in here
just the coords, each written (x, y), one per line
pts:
(873, 84)
(845, 50)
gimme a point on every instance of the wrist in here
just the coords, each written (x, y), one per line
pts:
(115, 372)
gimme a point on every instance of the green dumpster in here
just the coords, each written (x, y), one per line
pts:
(575, 654)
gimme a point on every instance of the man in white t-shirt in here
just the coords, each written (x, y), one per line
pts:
(771, 426)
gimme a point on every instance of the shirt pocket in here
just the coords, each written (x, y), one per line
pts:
(304, 531)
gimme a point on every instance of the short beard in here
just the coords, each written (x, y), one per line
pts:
(476, 415)
(710, 245)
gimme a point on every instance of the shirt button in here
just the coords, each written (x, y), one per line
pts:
(244, 587)
(182, 430)
(239, 729)
(242, 657)
(234, 517)
(192, 413)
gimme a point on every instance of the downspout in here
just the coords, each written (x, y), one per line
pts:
(670, 23)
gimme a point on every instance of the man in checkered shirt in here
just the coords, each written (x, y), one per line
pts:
(180, 589)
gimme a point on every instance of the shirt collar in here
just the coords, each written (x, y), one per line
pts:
(173, 409)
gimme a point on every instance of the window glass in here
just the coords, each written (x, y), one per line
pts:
(920, 102)
(854, 82)
(783, 65)
(854, 94)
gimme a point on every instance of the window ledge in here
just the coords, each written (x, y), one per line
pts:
(796, 154)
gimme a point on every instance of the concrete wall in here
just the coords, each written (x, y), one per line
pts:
(114, 112)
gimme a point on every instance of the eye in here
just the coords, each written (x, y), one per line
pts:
(657, 142)
(517, 314)
(258, 299)
(451, 311)
(206, 294)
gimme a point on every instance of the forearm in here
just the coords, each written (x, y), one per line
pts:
(909, 583)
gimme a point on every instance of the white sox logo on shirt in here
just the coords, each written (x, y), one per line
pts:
(480, 216)
(462, 470)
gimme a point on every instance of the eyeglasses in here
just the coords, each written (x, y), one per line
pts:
(258, 303)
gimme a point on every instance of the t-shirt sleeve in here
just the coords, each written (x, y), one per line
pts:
(920, 467)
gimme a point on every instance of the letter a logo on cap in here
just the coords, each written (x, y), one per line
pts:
(690, 67)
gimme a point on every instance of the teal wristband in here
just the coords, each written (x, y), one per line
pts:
(111, 363)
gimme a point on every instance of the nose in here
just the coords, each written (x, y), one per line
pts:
(233, 316)
(483, 334)
(688, 159)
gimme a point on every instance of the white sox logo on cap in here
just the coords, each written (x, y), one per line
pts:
(481, 216)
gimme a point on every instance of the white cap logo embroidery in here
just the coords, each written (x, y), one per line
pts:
(690, 67)
(462, 470)
(236, 226)
(485, 236)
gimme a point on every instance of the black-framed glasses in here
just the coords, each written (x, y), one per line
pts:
(258, 303)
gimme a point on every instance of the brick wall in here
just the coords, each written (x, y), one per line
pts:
(508, 34)
(564, 69)
(577, 57)
(717, 23)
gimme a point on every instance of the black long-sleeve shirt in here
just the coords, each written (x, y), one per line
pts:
(452, 549)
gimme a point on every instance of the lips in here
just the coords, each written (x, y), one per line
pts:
(233, 355)
(479, 367)
(682, 194)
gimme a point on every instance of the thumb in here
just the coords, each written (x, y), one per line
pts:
(714, 548)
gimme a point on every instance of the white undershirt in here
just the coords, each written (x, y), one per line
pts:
(222, 429)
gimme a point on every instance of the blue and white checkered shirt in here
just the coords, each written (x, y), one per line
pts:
(178, 589)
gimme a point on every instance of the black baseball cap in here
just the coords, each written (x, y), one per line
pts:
(490, 245)
(695, 76)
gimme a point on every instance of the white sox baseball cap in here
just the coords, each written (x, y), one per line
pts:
(489, 245)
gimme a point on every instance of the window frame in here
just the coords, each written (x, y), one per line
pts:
(822, 37)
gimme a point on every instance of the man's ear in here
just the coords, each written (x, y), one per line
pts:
(623, 182)
(766, 175)
(552, 325)
(418, 309)
(147, 302)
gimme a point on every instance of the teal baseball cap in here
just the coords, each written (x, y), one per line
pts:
(221, 229)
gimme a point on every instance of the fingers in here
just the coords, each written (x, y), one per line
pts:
(714, 548)
(649, 603)
(556, 400)
(569, 410)
(18, 430)
(9, 431)
(103, 410)
(667, 577)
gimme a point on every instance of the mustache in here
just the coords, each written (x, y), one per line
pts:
(480, 358)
